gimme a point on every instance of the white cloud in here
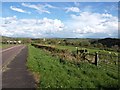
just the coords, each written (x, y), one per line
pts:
(11, 26)
(72, 9)
(86, 24)
(40, 8)
(91, 23)
(18, 9)
(49, 6)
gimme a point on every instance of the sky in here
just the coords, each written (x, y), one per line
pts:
(59, 19)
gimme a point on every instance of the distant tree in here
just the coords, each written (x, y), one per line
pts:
(29, 40)
(115, 47)
(65, 42)
(85, 43)
(100, 45)
(95, 45)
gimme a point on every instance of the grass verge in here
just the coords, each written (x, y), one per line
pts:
(51, 73)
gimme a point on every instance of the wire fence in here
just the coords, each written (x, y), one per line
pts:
(105, 60)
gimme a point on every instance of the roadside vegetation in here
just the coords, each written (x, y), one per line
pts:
(50, 72)
(3, 46)
(0, 45)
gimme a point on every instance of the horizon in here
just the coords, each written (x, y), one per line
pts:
(61, 20)
(56, 38)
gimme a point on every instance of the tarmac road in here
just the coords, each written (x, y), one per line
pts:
(9, 53)
(15, 73)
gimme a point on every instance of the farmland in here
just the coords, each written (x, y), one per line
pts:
(51, 72)
(73, 48)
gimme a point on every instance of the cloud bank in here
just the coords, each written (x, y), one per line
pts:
(94, 23)
(11, 26)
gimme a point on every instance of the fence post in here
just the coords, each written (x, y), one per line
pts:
(77, 53)
(96, 58)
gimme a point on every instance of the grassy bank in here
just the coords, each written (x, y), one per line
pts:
(55, 74)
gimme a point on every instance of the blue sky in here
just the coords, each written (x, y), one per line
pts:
(60, 19)
(59, 12)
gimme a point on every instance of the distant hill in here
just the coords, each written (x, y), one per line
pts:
(108, 41)
(5, 38)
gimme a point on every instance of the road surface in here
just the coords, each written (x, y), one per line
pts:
(9, 53)
(15, 73)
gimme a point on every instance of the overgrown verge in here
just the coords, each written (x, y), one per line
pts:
(65, 54)
(80, 55)
(52, 73)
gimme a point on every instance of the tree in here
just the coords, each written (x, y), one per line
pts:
(100, 45)
(115, 47)
(85, 43)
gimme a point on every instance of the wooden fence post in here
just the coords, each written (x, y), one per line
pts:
(77, 49)
(96, 58)
(77, 53)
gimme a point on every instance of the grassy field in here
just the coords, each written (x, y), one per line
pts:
(3, 46)
(91, 50)
(51, 73)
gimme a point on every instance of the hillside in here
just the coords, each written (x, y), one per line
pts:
(109, 42)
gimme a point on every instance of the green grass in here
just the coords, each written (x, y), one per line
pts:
(54, 74)
(3, 46)
(91, 50)
(0, 45)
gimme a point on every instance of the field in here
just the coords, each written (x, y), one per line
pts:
(50, 72)
(3, 46)
(91, 50)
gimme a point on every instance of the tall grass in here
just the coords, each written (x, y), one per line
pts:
(56, 74)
